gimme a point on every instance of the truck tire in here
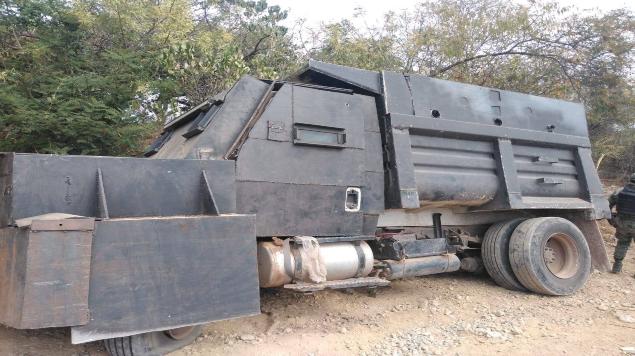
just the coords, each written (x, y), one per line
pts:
(495, 254)
(550, 256)
(155, 343)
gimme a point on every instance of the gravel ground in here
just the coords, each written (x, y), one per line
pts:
(452, 314)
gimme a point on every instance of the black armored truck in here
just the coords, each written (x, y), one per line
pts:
(335, 178)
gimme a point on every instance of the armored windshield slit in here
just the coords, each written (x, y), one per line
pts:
(202, 121)
(189, 115)
(158, 143)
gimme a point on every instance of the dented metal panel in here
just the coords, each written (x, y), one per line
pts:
(463, 172)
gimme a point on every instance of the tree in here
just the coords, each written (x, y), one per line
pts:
(59, 95)
(345, 44)
(102, 76)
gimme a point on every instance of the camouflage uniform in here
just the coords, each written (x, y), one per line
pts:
(624, 227)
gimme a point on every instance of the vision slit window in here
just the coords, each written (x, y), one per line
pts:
(318, 135)
(201, 122)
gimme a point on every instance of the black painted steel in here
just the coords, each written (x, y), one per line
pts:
(452, 144)
(112, 186)
(150, 274)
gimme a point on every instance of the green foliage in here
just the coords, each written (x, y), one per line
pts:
(101, 76)
(345, 44)
(58, 95)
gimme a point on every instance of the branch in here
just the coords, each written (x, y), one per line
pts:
(256, 49)
(29, 35)
(491, 55)
(511, 52)
(17, 40)
(167, 37)
(508, 51)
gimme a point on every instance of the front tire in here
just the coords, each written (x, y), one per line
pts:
(153, 343)
(550, 256)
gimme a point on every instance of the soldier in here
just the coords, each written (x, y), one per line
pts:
(624, 221)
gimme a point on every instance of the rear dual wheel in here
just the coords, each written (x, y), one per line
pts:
(153, 343)
(495, 254)
(550, 256)
(544, 255)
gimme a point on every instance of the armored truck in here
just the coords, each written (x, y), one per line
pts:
(335, 178)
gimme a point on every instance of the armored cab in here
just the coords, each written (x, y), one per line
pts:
(336, 178)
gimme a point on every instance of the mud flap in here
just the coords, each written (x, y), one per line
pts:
(591, 231)
(152, 274)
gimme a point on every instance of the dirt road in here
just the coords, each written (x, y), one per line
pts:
(457, 314)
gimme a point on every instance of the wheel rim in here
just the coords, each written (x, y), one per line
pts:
(561, 255)
(180, 333)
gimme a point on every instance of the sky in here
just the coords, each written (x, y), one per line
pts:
(317, 11)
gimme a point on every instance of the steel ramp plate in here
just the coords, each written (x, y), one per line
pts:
(159, 273)
(340, 284)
